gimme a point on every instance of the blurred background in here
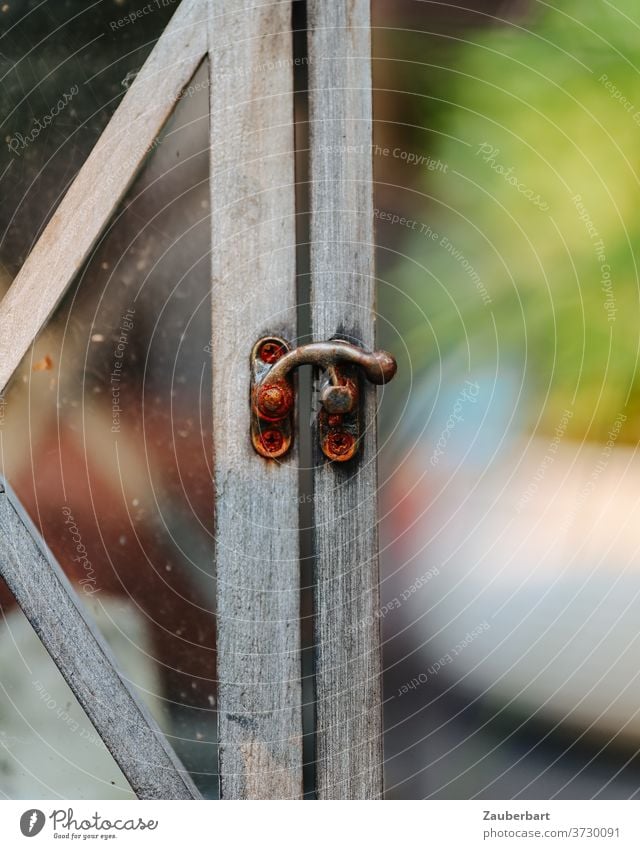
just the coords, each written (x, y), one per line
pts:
(506, 139)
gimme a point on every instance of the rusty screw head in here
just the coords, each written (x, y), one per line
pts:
(272, 440)
(274, 400)
(270, 352)
(338, 399)
(340, 445)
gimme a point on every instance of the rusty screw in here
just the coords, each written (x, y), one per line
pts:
(274, 400)
(270, 352)
(272, 440)
(340, 445)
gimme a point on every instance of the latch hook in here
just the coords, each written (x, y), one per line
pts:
(273, 397)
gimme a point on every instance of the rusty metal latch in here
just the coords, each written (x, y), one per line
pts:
(273, 362)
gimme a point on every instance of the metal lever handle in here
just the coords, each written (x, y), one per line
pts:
(379, 366)
(272, 393)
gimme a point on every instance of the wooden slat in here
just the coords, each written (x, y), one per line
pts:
(348, 665)
(253, 292)
(50, 604)
(100, 184)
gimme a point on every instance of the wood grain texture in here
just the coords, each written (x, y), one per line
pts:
(100, 184)
(253, 293)
(50, 604)
(348, 662)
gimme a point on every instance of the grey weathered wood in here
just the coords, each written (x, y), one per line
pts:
(100, 184)
(253, 293)
(348, 664)
(50, 604)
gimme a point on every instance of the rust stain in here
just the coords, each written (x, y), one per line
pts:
(45, 364)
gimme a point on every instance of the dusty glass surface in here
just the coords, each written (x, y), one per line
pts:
(506, 204)
(106, 427)
(65, 65)
(48, 747)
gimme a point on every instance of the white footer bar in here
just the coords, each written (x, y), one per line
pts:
(606, 824)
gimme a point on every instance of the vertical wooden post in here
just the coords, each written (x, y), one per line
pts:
(253, 292)
(348, 667)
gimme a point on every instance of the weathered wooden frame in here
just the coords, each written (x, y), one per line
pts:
(256, 517)
(256, 513)
(349, 663)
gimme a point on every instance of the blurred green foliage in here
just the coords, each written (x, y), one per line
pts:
(529, 117)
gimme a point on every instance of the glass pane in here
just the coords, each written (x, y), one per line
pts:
(506, 150)
(107, 434)
(48, 747)
(65, 67)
